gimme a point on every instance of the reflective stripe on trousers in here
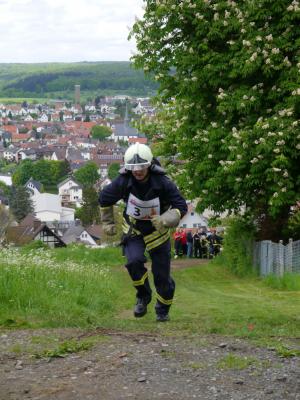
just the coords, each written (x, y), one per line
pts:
(134, 250)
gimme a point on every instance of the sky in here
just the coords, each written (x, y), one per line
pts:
(34, 31)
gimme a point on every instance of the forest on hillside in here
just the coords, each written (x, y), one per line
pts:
(57, 80)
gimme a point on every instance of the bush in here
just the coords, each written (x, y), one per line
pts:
(292, 230)
(35, 244)
(238, 246)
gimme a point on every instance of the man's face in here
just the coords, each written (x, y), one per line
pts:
(140, 175)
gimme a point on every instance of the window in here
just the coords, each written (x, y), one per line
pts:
(192, 213)
(184, 225)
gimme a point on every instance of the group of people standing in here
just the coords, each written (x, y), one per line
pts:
(197, 243)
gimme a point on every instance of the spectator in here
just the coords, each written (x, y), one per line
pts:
(183, 242)
(177, 242)
(215, 242)
(196, 244)
(189, 240)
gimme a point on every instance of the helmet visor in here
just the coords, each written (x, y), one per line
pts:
(137, 167)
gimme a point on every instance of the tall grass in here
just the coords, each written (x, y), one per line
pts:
(71, 287)
(288, 281)
(79, 287)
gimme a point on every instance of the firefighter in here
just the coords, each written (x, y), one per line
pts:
(215, 243)
(153, 204)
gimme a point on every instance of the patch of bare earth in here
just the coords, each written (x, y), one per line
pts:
(125, 365)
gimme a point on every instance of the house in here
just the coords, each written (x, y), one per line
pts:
(122, 132)
(70, 191)
(79, 234)
(33, 186)
(30, 229)
(10, 154)
(43, 118)
(140, 139)
(48, 208)
(24, 154)
(103, 162)
(59, 154)
(5, 136)
(6, 179)
(192, 219)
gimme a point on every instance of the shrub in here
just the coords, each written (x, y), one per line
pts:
(238, 246)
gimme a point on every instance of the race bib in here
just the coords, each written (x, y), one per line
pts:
(140, 209)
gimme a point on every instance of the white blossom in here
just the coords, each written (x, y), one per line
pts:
(253, 57)
(275, 194)
(246, 43)
(275, 50)
(269, 38)
(287, 62)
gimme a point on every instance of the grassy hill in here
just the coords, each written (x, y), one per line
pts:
(57, 80)
(79, 287)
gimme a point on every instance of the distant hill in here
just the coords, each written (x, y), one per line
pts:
(57, 80)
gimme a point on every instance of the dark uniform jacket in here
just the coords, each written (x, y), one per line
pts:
(158, 185)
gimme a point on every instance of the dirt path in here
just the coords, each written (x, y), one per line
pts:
(127, 366)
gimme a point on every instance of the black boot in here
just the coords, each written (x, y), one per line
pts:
(140, 309)
(162, 317)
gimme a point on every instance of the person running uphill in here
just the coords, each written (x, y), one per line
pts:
(153, 204)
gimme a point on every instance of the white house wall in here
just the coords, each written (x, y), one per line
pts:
(47, 216)
(85, 237)
(67, 214)
(6, 179)
(192, 221)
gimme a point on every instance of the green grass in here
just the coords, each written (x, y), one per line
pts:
(232, 361)
(287, 282)
(79, 287)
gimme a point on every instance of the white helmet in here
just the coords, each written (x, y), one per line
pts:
(137, 157)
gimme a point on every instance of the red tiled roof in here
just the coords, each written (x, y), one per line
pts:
(138, 140)
(10, 128)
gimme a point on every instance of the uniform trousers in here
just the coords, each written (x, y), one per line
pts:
(134, 251)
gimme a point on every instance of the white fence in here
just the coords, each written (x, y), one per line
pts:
(277, 258)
